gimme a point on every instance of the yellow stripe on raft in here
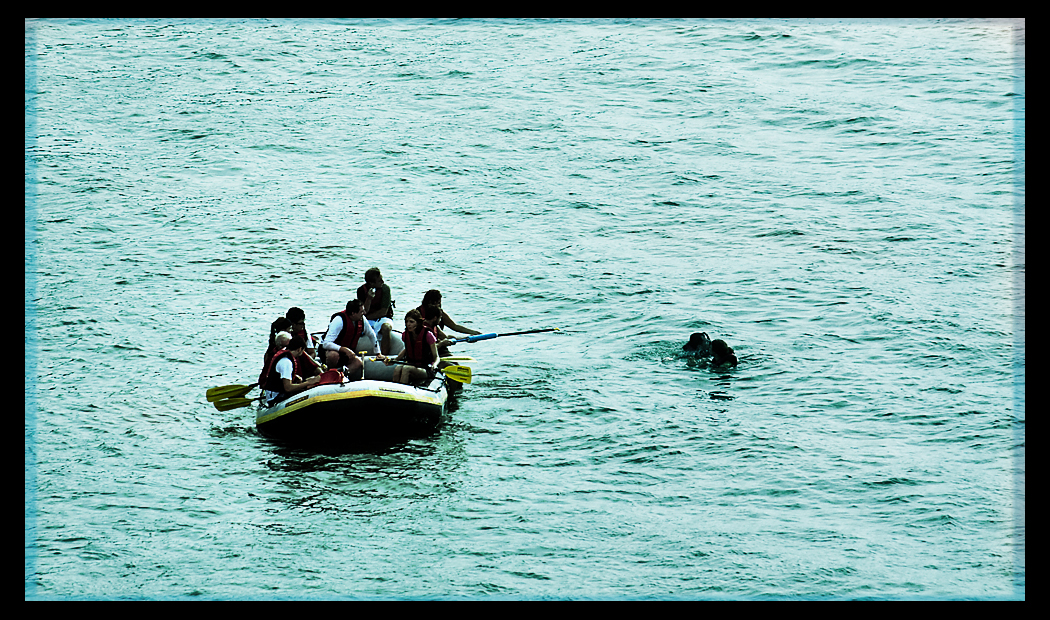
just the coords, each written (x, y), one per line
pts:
(295, 406)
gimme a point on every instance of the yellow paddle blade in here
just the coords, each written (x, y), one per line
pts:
(234, 403)
(228, 391)
(459, 374)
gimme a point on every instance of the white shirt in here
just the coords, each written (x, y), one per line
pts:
(336, 327)
(284, 369)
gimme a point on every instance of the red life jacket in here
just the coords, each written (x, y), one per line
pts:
(351, 332)
(273, 381)
(417, 352)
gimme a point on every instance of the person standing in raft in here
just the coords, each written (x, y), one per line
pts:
(379, 306)
(307, 362)
(343, 339)
(282, 376)
(433, 296)
(420, 352)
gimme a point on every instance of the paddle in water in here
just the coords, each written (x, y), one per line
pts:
(228, 391)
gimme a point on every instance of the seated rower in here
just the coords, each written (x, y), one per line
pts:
(349, 332)
(307, 361)
(433, 296)
(432, 320)
(282, 377)
(420, 354)
(280, 326)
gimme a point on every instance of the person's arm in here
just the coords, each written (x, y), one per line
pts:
(284, 369)
(295, 388)
(447, 320)
(380, 304)
(334, 329)
(432, 343)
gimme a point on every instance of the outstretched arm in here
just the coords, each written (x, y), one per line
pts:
(447, 320)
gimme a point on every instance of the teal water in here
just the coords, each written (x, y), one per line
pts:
(841, 201)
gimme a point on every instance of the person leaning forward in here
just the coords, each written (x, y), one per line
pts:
(346, 331)
(282, 376)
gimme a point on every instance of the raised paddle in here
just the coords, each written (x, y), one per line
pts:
(228, 391)
(491, 336)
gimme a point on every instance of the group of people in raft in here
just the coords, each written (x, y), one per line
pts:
(364, 326)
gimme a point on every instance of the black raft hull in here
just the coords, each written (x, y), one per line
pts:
(355, 412)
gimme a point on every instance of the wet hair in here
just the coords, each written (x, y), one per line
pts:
(722, 352)
(296, 342)
(433, 296)
(295, 314)
(353, 306)
(371, 274)
(699, 342)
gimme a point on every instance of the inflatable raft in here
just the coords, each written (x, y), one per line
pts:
(356, 412)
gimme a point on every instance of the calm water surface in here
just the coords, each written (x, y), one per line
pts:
(841, 201)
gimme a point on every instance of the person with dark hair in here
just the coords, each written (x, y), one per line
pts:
(420, 354)
(699, 345)
(379, 306)
(307, 362)
(349, 332)
(282, 324)
(722, 354)
(432, 321)
(433, 296)
(281, 378)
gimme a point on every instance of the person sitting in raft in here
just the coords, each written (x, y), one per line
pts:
(379, 306)
(699, 345)
(420, 353)
(281, 325)
(722, 354)
(282, 375)
(433, 296)
(307, 361)
(344, 338)
(432, 321)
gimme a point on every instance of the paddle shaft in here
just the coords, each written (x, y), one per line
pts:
(491, 336)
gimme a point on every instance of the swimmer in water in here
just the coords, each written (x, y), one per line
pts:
(699, 345)
(722, 354)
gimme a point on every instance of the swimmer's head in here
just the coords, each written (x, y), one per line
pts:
(699, 343)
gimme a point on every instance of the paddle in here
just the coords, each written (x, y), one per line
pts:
(234, 403)
(459, 374)
(490, 336)
(228, 391)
